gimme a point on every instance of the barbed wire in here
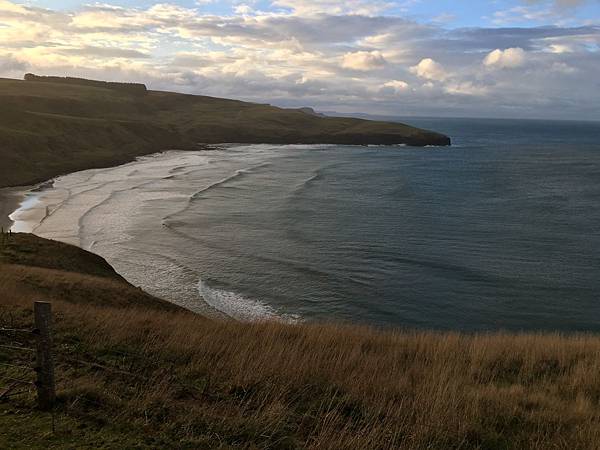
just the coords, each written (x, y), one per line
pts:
(72, 351)
(12, 340)
(17, 347)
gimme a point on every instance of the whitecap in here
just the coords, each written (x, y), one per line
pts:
(239, 307)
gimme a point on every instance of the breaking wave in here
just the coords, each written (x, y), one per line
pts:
(239, 307)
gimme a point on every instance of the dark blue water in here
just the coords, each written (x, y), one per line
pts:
(500, 231)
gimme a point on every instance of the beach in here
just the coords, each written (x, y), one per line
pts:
(388, 236)
(10, 199)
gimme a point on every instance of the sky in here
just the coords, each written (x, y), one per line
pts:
(499, 58)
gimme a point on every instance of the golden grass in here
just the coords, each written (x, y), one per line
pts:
(173, 379)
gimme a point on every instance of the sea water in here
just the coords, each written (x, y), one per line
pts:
(499, 231)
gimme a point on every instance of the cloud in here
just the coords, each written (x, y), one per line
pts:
(395, 86)
(333, 55)
(106, 52)
(562, 3)
(10, 64)
(334, 7)
(519, 14)
(563, 68)
(430, 70)
(560, 48)
(548, 11)
(363, 61)
(243, 9)
(466, 88)
(505, 59)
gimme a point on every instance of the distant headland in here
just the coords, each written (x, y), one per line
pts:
(55, 125)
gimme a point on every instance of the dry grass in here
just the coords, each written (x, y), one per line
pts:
(161, 378)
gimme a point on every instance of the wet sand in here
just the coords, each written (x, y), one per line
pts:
(10, 199)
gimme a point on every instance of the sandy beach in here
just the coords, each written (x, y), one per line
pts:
(10, 199)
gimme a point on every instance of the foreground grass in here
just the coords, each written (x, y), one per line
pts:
(133, 374)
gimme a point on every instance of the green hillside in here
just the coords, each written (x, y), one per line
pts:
(50, 126)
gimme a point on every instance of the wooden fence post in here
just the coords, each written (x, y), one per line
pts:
(45, 365)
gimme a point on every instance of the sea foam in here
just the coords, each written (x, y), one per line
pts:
(240, 307)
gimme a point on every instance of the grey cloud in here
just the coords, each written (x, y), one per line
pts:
(107, 52)
(198, 60)
(527, 38)
(562, 3)
(10, 64)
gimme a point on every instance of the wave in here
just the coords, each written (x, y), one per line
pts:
(107, 199)
(239, 307)
(72, 192)
(51, 209)
(237, 174)
(198, 194)
(19, 226)
(296, 266)
(387, 145)
(306, 184)
(177, 169)
(317, 175)
(216, 184)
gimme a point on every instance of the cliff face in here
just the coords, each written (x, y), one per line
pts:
(50, 126)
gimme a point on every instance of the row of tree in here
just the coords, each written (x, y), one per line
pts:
(131, 88)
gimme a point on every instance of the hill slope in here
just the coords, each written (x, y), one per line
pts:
(133, 373)
(51, 126)
(36, 268)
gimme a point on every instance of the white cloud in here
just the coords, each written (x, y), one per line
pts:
(397, 86)
(504, 59)
(7, 6)
(243, 9)
(465, 88)
(363, 61)
(430, 70)
(560, 48)
(334, 7)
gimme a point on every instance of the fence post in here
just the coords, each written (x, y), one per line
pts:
(45, 365)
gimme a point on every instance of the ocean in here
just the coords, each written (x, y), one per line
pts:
(500, 231)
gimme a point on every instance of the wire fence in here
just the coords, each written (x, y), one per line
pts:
(28, 357)
(16, 358)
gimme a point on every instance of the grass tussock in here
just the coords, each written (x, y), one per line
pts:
(134, 374)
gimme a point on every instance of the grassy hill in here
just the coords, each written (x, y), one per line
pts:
(50, 126)
(135, 372)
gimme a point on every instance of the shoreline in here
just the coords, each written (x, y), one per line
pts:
(11, 199)
(27, 204)
(15, 200)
